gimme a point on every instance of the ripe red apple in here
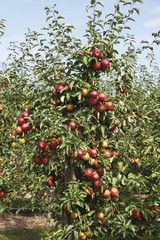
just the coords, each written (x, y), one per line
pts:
(80, 153)
(73, 155)
(41, 144)
(25, 114)
(73, 125)
(21, 120)
(93, 93)
(14, 133)
(25, 127)
(18, 130)
(95, 176)
(88, 172)
(114, 192)
(96, 52)
(96, 65)
(45, 159)
(97, 183)
(54, 142)
(105, 63)
(100, 171)
(93, 152)
(102, 96)
(140, 115)
(93, 101)
(109, 105)
(107, 193)
(47, 147)
(50, 182)
(100, 108)
(37, 160)
(85, 92)
(136, 214)
(3, 194)
(59, 88)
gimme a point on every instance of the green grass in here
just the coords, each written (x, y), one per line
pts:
(24, 234)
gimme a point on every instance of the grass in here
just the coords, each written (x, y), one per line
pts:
(24, 234)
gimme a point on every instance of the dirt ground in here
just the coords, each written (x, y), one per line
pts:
(9, 221)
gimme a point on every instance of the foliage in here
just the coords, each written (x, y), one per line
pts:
(78, 144)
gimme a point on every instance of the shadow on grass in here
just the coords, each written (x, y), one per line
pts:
(23, 234)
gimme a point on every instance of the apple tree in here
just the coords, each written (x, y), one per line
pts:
(85, 146)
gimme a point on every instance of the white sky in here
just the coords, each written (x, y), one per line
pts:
(23, 14)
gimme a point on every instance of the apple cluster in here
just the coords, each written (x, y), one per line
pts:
(23, 124)
(43, 157)
(45, 146)
(99, 62)
(99, 100)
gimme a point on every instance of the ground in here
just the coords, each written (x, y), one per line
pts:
(10, 221)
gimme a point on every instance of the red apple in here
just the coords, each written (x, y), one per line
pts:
(73, 155)
(140, 115)
(50, 182)
(109, 105)
(18, 130)
(97, 183)
(93, 101)
(100, 171)
(14, 133)
(95, 176)
(100, 108)
(107, 193)
(136, 214)
(25, 127)
(80, 153)
(41, 144)
(21, 120)
(102, 96)
(37, 160)
(88, 172)
(96, 65)
(47, 147)
(73, 125)
(25, 114)
(114, 192)
(96, 52)
(45, 159)
(54, 142)
(93, 152)
(105, 63)
(59, 88)
(93, 93)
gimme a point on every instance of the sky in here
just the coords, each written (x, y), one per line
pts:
(21, 15)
